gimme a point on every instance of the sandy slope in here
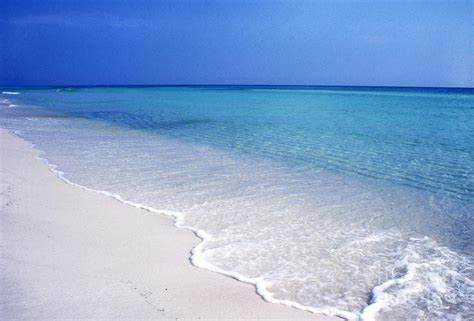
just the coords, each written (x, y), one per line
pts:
(71, 254)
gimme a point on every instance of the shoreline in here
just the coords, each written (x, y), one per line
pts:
(85, 255)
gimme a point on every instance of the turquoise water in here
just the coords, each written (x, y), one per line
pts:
(350, 201)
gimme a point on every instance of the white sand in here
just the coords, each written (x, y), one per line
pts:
(67, 253)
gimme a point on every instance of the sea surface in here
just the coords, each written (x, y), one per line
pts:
(350, 201)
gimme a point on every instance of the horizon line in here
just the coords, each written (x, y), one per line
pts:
(233, 85)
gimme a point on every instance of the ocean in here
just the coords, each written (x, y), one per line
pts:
(349, 201)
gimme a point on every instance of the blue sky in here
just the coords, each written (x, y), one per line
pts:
(401, 43)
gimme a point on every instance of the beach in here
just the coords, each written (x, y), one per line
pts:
(68, 253)
(237, 160)
(178, 193)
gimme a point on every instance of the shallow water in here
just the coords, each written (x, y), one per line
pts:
(350, 201)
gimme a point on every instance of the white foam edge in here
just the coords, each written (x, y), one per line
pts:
(198, 255)
(379, 298)
(10, 92)
(378, 301)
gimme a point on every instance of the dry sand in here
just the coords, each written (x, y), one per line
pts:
(67, 253)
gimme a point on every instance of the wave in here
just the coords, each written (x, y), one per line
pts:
(67, 90)
(10, 92)
(6, 103)
(419, 281)
(198, 255)
(393, 291)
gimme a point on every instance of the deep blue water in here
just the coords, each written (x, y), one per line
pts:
(324, 195)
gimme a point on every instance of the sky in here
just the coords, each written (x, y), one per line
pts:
(360, 43)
